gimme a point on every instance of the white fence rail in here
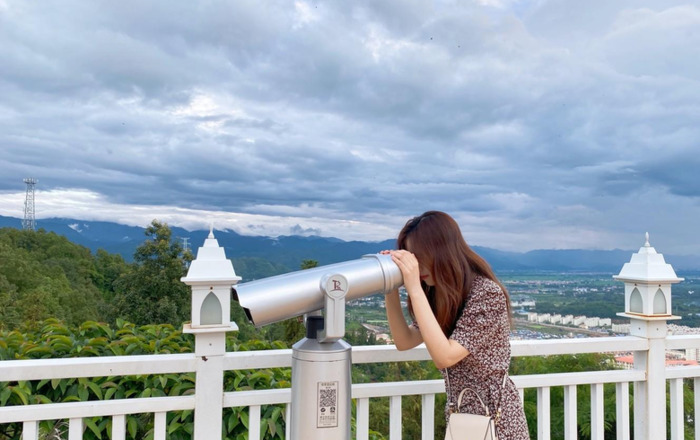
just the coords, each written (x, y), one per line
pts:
(75, 412)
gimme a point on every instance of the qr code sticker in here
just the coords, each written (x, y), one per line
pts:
(327, 416)
(328, 397)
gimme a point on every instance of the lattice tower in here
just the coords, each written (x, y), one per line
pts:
(185, 247)
(185, 244)
(29, 222)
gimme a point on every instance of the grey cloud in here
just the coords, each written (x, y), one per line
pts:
(677, 172)
(367, 107)
(656, 43)
(299, 230)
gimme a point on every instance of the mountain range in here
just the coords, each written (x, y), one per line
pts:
(289, 251)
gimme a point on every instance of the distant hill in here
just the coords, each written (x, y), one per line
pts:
(289, 251)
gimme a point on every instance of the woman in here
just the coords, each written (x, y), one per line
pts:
(462, 313)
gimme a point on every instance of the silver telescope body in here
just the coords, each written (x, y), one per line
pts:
(321, 362)
(284, 296)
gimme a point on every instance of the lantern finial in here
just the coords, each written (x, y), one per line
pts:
(211, 230)
(647, 240)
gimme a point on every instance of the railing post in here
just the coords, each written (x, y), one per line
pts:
(210, 276)
(650, 395)
(209, 385)
(622, 415)
(648, 280)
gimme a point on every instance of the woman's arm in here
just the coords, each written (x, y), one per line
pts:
(444, 352)
(405, 337)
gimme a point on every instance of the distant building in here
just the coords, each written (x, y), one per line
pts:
(620, 328)
(522, 302)
(692, 354)
(592, 322)
(582, 320)
(627, 362)
(384, 337)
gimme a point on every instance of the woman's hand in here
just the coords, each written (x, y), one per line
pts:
(405, 337)
(394, 292)
(410, 269)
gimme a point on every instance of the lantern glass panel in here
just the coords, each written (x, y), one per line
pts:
(659, 303)
(636, 302)
(210, 314)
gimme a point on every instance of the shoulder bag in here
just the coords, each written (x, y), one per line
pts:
(472, 426)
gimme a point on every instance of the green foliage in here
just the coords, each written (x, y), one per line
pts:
(109, 267)
(246, 330)
(253, 268)
(603, 305)
(46, 281)
(411, 409)
(53, 339)
(308, 264)
(150, 291)
(357, 335)
(565, 364)
(44, 275)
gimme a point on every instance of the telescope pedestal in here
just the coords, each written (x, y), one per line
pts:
(321, 387)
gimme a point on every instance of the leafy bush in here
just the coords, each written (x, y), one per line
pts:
(53, 339)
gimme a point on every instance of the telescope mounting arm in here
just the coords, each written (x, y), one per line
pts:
(335, 287)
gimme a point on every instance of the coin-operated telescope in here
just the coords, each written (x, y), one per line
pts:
(321, 362)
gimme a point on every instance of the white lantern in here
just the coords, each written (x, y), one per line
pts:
(648, 280)
(211, 276)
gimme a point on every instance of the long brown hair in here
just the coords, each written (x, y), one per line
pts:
(438, 244)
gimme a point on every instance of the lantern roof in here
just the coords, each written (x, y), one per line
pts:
(211, 265)
(647, 266)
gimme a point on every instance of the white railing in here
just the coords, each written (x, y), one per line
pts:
(75, 412)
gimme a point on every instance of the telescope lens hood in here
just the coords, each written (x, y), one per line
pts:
(234, 296)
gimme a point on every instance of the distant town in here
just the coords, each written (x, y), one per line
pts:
(556, 306)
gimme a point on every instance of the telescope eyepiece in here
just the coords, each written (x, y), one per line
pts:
(314, 324)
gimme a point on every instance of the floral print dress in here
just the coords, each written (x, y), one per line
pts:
(483, 329)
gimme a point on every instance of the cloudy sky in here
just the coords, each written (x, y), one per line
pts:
(535, 123)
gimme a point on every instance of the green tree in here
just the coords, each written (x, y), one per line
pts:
(108, 269)
(254, 268)
(151, 292)
(308, 264)
(44, 275)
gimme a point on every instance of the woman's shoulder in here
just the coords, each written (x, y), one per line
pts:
(486, 293)
(483, 284)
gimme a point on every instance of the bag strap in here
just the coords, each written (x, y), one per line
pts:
(483, 405)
